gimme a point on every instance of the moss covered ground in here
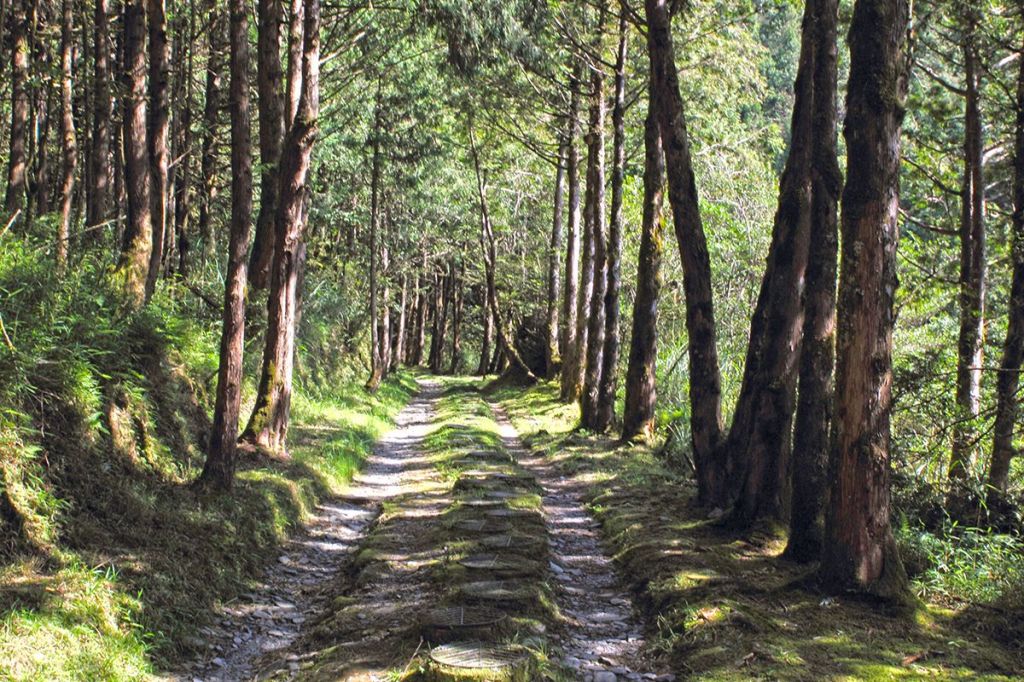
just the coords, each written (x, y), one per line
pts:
(724, 606)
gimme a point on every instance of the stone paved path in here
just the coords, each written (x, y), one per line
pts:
(604, 640)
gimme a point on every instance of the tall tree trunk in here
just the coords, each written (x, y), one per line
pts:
(219, 469)
(1013, 349)
(133, 267)
(398, 348)
(98, 195)
(595, 316)
(211, 121)
(758, 444)
(973, 265)
(860, 551)
(268, 425)
(487, 337)
(570, 343)
(705, 378)
(457, 311)
(610, 360)
(815, 398)
(158, 132)
(17, 161)
(638, 415)
(269, 83)
(506, 342)
(552, 354)
(183, 143)
(384, 321)
(422, 306)
(67, 134)
(437, 337)
(376, 361)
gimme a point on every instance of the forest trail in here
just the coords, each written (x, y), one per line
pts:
(256, 633)
(348, 600)
(603, 638)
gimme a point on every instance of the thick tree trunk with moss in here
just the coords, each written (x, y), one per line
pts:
(814, 401)
(268, 426)
(860, 551)
(973, 263)
(638, 416)
(158, 133)
(570, 342)
(702, 347)
(1008, 381)
(608, 383)
(219, 469)
(17, 159)
(133, 266)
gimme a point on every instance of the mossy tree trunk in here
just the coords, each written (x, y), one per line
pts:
(641, 393)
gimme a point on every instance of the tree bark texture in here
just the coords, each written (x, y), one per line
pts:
(814, 401)
(17, 161)
(1008, 381)
(570, 342)
(860, 551)
(67, 134)
(158, 133)
(641, 393)
(705, 378)
(220, 460)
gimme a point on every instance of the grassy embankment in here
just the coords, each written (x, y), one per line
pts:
(725, 607)
(109, 560)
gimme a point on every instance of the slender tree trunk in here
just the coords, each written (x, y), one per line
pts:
(158, 133)
(507, 344)
(552, 354)
(608, 385)
(973, 265)
(384, 321)
(269, 83)
(860, 551)
(398, 347)
(39, 196)
(183, 176)
(17, 161)
(268, 425)
(211, 120)
(376, 361)
(133, 267)
(437, 338)
(421, 314)
(595, 317)
(98, 195)
(815, 398)
(1007, 406)
(570, 343)
(457, 312)
(487, 337)
(705, 378)
(219, 469)
(638, 416)
(67, 134)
